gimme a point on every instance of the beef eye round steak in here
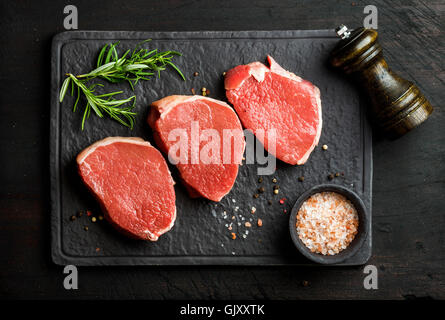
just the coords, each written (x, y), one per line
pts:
(133, 184)
(204, 138)
(269, 98)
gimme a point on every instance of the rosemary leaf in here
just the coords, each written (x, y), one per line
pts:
(63, 89)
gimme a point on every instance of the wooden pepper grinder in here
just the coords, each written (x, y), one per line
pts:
(397, 104)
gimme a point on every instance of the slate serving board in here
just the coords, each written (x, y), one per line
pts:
(200, 235)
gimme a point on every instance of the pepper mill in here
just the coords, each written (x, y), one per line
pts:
(397, 105)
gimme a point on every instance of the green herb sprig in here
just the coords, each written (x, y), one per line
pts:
(102, 103)
(132, 66)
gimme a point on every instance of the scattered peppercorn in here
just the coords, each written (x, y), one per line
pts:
(331, 176)
(73, 218)
(301, 179)
(196, 74)
(261, 190)
(260, 180)
(85, 228)
(256, 195)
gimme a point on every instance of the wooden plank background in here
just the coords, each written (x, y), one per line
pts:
(409, 174)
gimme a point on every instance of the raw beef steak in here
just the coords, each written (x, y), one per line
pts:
(272, 98)
(200, 124)
(131, 180)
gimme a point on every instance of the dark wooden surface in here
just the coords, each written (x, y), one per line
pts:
(409, 174)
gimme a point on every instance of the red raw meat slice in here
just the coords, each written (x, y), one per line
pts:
(273, 98)
(131, 180)
(201, 178)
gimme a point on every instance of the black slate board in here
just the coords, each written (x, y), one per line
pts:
(200, 236)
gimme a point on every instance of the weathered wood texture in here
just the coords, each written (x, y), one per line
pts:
(409, 174)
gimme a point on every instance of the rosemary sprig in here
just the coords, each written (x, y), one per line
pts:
(140, 65)
(132, 66)
(103, 103)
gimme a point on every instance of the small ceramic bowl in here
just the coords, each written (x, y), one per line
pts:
(353, 247)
